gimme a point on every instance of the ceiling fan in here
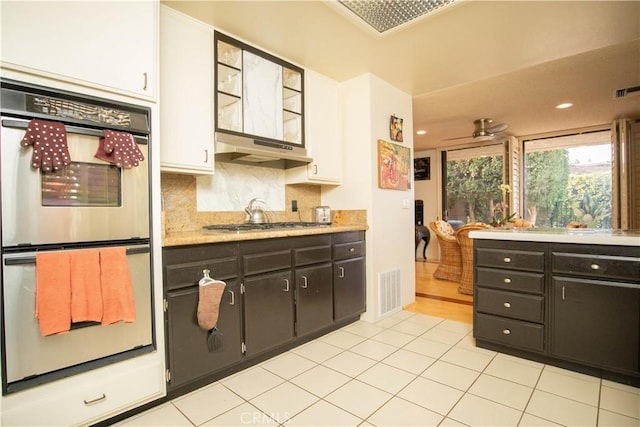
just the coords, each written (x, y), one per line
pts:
(484, 131)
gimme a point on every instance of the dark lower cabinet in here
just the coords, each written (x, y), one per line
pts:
(269, 311)
(189, 355)
(280, 292)
(596, 323)
(314, 298)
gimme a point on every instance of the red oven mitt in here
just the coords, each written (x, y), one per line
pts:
(119, 148)
(49, 142)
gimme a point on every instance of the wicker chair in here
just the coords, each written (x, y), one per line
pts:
(450, 267)
(466, 250)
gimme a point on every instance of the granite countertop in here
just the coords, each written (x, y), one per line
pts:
(204, 236)
(589, 236)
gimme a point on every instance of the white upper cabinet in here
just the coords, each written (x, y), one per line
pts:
(323, 132)
(110, 45)
(186, 92)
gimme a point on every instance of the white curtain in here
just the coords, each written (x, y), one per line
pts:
(625, 158)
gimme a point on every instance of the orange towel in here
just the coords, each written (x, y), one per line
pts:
(117, 289)
(53, 292)
(86, 292)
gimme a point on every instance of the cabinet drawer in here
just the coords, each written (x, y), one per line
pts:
(517, 260)
(348, 250)
(190, 273)
(270, 261)
(600, 266)
(513, 333)
(510, 304)
(311, 255)
(517, 281)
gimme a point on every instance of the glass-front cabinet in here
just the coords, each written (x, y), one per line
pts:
(258, 95)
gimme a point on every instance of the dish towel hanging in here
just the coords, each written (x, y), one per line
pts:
(117, 290)
(49, 142)
(86, 290)
(119, 148)
(209, 296)
(53, 292)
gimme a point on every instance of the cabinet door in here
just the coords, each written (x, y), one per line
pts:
(323, 137)
(314, 298)
(596, 322)
(348, 288)
(268, 303)
(186, 66)
(97, 43)
(189, 355)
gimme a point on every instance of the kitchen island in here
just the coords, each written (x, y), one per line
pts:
(570, 298)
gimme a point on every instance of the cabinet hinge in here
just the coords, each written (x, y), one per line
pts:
(168, 376)
(244, 348)
(166, 305)
(242, 288)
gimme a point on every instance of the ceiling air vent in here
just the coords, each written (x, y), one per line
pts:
(629, 91)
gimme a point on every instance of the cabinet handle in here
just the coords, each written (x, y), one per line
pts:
(507, 304)
(507, 280)
(233, 298)
(304, 282)
(340, 272)
(563, 293)
(286, 284)
(507, 259)
(352, 249)
(506, 331)
(595, 267)
(206, 156)
(315, 169)
(144, 87)
(96, 400)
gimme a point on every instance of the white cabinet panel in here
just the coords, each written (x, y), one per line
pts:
(323, 132)
(186, 90)
(87, 398)
(109, 45)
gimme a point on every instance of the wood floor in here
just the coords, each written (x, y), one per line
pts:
(439, 297)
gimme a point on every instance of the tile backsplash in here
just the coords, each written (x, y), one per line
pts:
(183, 212)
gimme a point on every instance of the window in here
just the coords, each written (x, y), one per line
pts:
(472, 180)
(568, 179)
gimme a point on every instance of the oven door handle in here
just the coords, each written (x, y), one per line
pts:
(22, 124)
(31, 259)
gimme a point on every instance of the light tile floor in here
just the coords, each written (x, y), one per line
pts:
(407, 370)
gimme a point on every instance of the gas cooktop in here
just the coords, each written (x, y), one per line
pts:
(262, 226)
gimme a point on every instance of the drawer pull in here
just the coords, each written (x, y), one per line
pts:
(96, 400)
(595, 267)
(304, 285)
(506, 331)
(507, 259)
(507, 280)
(352, 249)
(507, 304)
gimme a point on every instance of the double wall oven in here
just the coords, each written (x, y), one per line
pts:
(88, 204)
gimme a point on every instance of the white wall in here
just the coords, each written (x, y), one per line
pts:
(429, 191)
(368, 103)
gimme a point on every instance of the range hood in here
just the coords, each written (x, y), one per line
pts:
(256, 152)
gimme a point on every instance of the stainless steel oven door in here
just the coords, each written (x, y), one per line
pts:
(87, 201)
(29, 354)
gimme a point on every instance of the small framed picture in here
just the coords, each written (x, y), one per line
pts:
(395, 129)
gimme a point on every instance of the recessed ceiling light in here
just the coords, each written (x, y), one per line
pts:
(421, 132)
(564, 105)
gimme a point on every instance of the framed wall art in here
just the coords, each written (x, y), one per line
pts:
(395, 129)
(394, 166)
(422, 168)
